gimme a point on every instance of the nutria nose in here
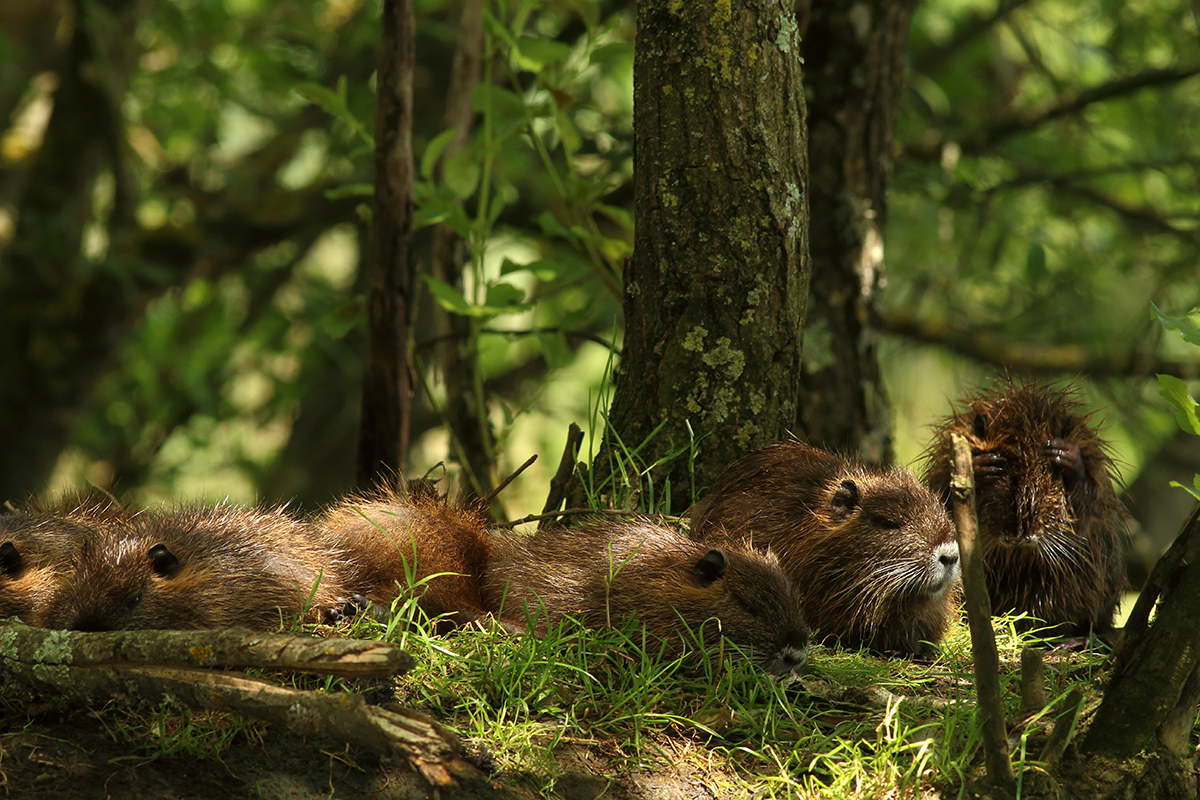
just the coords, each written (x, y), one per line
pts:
(793, 658)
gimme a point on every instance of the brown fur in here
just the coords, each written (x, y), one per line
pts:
(871, 552)
(392, 541)
(37, 554)
(207, 567)
(1049, 518)
(605, 572)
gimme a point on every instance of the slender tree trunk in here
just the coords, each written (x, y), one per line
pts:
(60, 317)
(715, 292)
(466, 412)
(854, 62)
(387, 387)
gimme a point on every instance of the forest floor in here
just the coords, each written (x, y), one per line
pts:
(581, 718)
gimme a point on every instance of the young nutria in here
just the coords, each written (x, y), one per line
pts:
(604, 572)
(37, 555)
(1049, 518)
(391, 542)
(207, 567)
(871, 552)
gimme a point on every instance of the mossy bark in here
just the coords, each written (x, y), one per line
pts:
(854, 55)
(715, 292)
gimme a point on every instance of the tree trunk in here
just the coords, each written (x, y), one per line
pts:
(715, 292)
(854, 62)
(387, 387)
(1155, 683)
(60, 318)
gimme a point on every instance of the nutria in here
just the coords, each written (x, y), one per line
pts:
(871, 552)
(604, 572)
(205, 567)
(37, 555)
(1048, 514)
(393, 541)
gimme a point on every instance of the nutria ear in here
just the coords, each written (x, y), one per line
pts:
(845, 499)
(163, 561)
(10, 559)
(709, 569)
(979, 424)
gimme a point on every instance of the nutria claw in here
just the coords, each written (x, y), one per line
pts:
(1066, 461)
(988, 466)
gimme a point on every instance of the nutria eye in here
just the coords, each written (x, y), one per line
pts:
(133, 601)
(887, 524)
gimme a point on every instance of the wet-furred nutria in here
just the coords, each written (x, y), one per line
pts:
(603, 572)
(37, 562)
(871, 552)
(199, 567)
(1049, 518)
(392, 541)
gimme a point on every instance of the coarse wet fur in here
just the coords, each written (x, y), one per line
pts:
(871, 552)
(1050, 522)
(397, 542)
(607, 571)
(214, 566)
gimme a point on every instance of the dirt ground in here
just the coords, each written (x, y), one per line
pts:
(76, 753)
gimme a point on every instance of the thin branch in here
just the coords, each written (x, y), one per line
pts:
(575, 512)
(1120, 87)
(487, 500)
(979, 616)
(975, 26)
(566, 469)
(425, 344)
(990, 347)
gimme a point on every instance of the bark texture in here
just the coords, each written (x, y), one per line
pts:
(1156, 678)
(715, 292)
(854, 61)
(387, 385)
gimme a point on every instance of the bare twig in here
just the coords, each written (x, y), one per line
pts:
(574, 512)
(1033, 685)
(1060, 735)
(991, 347)
(979, 616)
(566, 469)
(486, 501)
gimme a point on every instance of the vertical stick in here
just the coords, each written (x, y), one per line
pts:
(387, 385)
(1033, 683)
(979, 617)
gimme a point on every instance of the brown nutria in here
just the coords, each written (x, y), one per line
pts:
(392, 542)
(1048, 514)
(37, 556)
(604, 572)
(872, 552)
(205, 567)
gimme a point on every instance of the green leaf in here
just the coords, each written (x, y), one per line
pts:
(555, 349)
(1188, 327)
(544, 269)
(1176, 393)
(1193, 492)
(503, 103)
(447, 296)
(1035, 262)
(506, 297)
(610, 52)
(433, 151)
(351, 190)
(461, 174)
(535, 54)
(334, 103)
(551, 226)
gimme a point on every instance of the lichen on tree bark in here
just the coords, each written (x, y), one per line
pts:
(715, 292)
